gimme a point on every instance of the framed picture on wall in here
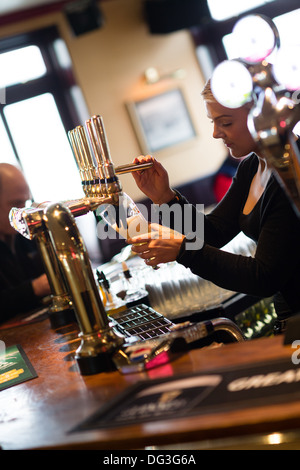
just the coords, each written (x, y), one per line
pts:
(161, 121)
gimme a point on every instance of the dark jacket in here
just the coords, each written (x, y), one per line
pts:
(272, 224)
(17, 268)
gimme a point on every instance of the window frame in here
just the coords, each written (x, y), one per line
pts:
(212, 33)
(58, 81)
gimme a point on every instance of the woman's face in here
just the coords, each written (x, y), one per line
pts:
(230, 125)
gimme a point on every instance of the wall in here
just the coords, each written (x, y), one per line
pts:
(109, 64)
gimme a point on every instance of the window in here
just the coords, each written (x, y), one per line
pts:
(7, 153)
(286, 24)
(41, 143)
(38, 110)
(215, 42)
(15, 67)
(221, 10)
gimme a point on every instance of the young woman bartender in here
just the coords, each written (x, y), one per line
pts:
(254, 204)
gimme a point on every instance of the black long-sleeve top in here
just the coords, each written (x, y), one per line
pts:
(18, 267)
(273, 224)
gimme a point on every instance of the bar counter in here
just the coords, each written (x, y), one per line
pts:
(39, 413)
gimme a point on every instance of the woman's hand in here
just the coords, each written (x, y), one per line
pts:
(160, 245)
(154, 182)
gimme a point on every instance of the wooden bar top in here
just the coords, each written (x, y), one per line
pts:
(39, 413)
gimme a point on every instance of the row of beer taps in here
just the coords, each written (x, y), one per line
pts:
(66, 261)
(91, 151)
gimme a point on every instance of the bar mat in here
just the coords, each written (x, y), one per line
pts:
(182, 396)
(15, 366)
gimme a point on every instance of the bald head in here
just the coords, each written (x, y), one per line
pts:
(14, 192)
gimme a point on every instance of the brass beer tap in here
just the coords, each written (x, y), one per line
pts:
(63, 250)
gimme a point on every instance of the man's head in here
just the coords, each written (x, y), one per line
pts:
(14, 192)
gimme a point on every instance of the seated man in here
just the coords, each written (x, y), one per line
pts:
(23, 282)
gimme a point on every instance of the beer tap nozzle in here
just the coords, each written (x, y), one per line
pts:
(112, 181)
